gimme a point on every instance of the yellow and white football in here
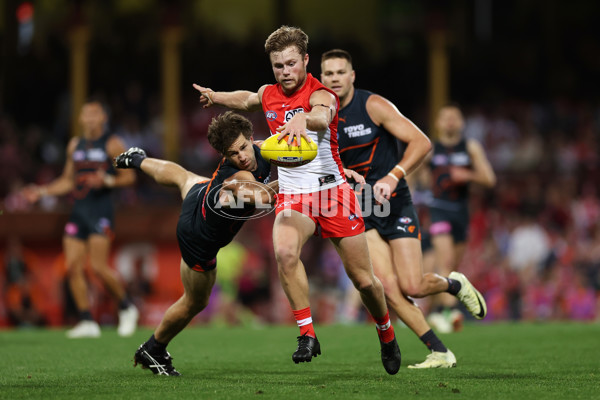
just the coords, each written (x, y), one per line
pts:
(284, 155)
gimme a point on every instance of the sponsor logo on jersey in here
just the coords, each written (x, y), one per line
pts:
(271, 115)
(289, 114)
(405, 220)
(96, 155)
(357, 131)
(352, 216)
(459, 159)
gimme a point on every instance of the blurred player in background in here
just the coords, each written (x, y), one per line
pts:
(369, 129)
(213, 211)
(90, 177)
(454, 164)
(300, 106)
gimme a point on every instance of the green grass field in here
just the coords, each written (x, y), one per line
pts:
(495, 361)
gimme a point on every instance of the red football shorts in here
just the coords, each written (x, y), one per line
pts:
(335, 211)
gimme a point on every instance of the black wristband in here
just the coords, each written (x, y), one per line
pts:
(136, 160)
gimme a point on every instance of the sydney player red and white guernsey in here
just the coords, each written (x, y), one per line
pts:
(325, 171)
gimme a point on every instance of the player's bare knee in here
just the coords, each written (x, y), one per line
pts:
(413, 289)
(195, 305)
(99, 268)
(389, 283)
(74, 269)
(286, 257)
(364, 285)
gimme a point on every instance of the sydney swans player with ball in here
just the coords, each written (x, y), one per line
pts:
(314, 197)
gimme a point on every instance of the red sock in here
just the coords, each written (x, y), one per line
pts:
(385, 330)
(304, 321)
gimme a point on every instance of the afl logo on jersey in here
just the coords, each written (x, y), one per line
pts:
(271, 115)
(291, 113)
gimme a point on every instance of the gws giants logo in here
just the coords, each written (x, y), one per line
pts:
(234, 207)
(271, 115)
(291, 113)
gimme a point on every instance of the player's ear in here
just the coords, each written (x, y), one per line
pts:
(306, 59)
(353, 76)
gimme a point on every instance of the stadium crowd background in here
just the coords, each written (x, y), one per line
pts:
(524, 74)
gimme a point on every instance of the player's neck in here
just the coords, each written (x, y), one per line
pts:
(92, 134)
(450, 138)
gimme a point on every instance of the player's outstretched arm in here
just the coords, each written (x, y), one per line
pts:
(64, 184)
(243, 187)
(241, 100)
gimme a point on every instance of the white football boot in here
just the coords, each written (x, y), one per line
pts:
(437, 360)
(469, 296)
(84, 329)
(128, 321)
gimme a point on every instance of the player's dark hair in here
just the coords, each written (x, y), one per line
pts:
(226, 128)
(285, 37)
(337, 53)
(97, 100)
(451, 104)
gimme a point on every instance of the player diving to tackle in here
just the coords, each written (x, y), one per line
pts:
(212, 213)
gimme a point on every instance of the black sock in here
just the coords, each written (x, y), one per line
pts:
(85, 315)
(136, 160)
(156, 347)
(125, 303)
(453, 286)
(432, 342)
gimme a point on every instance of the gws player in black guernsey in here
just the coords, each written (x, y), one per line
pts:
(90, 178)
(212, 213)
(369, 128)
(453, 165)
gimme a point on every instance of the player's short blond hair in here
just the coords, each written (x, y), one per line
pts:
(285, 37)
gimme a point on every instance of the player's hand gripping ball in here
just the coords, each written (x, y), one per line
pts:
(284, 155)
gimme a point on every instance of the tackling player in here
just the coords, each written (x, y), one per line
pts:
(212, 213)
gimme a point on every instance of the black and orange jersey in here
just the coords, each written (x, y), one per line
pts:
(367, 148)
(213, 212)
(447, 194)
(205, 225)
(88, 157)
